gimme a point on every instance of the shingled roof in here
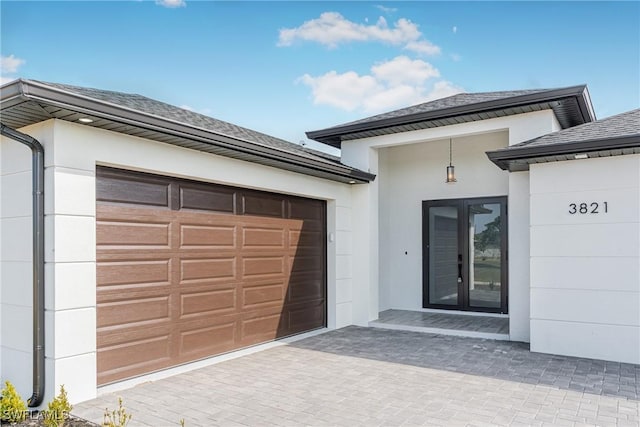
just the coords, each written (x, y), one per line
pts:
(615, 135)
(24, 102)
(571, 105)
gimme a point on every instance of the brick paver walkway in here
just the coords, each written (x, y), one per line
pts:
(369, 377)
(462, 322)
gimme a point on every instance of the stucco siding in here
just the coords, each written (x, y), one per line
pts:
(415, 173)
(519, 292)
(585, 258)
(16, 278)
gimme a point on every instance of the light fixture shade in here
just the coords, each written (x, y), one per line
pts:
(451, 174)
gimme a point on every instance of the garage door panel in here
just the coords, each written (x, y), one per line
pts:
(194, 335)
(138, 190)
(130, 311)
(306, 264)
(207, 237)
(134, 213)
(211, 302)
(207, 198)
(133, 235)
(214, 270)
(205, 288)
(262, 204)
(127, 359)
(207, 268)
(305, 287)
(131, 292)
(119, 334)
(193, 217)
(306, 316)
(261, 266)
(305, 239)
(202, 342)
(260, 328)
(308, 226)
(110, 273)
(263, 238)
(306, 209)
(259, 294)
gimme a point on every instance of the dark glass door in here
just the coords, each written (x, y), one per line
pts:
(464, 254)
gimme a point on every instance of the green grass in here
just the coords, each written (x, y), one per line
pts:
(487, 270)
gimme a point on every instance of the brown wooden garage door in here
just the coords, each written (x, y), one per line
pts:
(187, 270)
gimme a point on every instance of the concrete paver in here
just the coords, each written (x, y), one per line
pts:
(374, 377)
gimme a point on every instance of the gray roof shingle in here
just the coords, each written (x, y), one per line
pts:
(448, 102)
(624, 124)
(171, 112)
(613, 136)
(571, 106)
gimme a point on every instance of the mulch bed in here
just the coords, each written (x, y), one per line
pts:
(35, 421)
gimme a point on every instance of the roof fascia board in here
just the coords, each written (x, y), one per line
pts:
(546, 96)
(586, 107)
(106, 110)
(503, 157)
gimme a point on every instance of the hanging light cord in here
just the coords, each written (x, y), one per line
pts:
(449, 151)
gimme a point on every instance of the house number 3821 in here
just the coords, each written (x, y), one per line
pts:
(588, 208)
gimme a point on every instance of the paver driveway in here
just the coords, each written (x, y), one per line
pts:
(366, 376)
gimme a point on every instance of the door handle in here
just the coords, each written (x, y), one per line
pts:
(460, 279)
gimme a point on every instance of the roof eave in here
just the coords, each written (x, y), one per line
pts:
(21, 90)
(333, 135)
(504, 157)
(12, 93)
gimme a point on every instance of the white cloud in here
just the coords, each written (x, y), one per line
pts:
(423, 46)
(403, 70)
(392, 97)
(345, 91)
(10, 64)
(442, 89)
(386, 9)
(4, 80)
(172, 4)
(332, 29)
(397, 83)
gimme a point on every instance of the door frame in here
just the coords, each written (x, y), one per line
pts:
(463, 247)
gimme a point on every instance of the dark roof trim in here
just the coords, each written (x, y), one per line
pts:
(504, 157)
(26, 90)
(333, 135)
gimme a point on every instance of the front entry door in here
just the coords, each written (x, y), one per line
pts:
(465, 254)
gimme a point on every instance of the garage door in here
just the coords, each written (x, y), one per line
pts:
(187, 270)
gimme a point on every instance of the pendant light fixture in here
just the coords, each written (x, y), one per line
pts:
(451, 172)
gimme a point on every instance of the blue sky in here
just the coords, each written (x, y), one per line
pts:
(284, 68)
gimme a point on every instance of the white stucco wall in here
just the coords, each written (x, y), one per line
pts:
(411, 168)
(585, 267)
(412, 173)
(72, 153)
(519, 291)
(16, 278)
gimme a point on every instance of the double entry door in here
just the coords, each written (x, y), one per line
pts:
(465, 254)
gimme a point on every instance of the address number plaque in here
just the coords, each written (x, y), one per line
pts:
(584, 208)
